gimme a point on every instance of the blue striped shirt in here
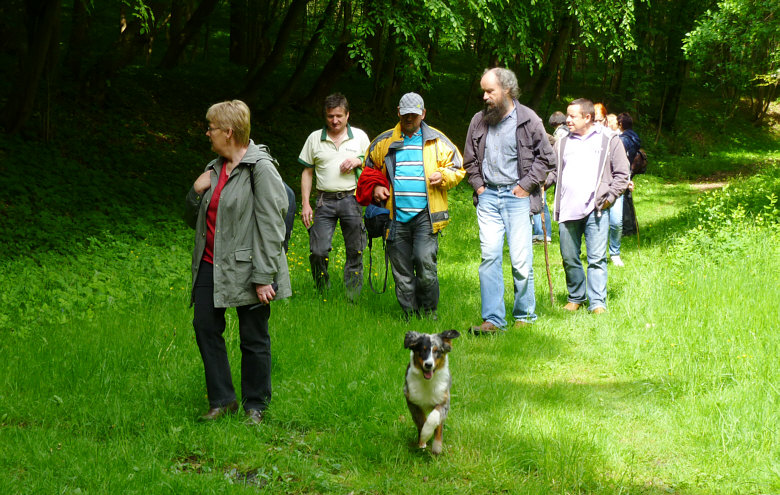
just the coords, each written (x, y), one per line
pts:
(409, 182)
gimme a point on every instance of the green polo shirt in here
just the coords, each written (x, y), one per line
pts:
(319, 151)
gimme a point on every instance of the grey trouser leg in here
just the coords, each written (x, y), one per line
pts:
(347, 211)
(413, 254)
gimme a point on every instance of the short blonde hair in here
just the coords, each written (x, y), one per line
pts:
(231, 115)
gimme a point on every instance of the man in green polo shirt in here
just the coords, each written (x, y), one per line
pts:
(333, 155)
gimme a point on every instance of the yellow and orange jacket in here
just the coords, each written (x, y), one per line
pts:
(439, 154)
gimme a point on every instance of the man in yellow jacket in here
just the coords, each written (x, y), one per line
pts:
(421, 165)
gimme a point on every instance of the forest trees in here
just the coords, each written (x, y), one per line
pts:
(296, 50)
(736, 50)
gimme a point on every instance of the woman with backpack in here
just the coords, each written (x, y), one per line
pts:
(238, 208)
(626, 223)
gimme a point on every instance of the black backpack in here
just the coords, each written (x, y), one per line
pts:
(639, 163)
(377, 221)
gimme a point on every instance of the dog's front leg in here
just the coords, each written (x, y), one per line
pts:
(441, 411)
(431, 424)
(437, 439)
(418, 416)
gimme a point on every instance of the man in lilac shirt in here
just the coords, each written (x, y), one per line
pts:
(592, 172)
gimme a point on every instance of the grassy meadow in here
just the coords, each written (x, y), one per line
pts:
(675, 390)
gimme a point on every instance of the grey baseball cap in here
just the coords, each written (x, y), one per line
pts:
(411, 103)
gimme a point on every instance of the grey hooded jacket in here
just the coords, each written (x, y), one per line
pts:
(613, 173)
(249, 230)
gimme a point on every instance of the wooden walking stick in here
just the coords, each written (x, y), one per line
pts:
(546, 256)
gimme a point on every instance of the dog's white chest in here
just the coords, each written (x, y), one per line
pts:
(427, 393)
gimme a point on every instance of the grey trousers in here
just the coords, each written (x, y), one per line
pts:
(413, 249)
(328, 212)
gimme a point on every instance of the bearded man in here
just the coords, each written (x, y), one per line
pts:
(507, 158)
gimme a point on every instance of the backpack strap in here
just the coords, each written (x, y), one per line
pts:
(289, 220)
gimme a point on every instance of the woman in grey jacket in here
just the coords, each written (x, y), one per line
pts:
(238, 260)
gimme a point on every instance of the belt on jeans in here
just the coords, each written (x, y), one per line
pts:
(499, 187)
(335, 194)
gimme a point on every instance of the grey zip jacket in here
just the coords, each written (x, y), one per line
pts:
(613, 173)
(249, 230)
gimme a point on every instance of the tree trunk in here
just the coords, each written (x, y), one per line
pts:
(42, 20)
(294, 80)
(671, 102)
(78, 38)
(130, 44)
(338, 64)
(617, 76)
(257, 81)
(180, 40)
(238, 31)
(384, 77)
(568, 70)
(432, 52)
(551, 66)
(260, 17)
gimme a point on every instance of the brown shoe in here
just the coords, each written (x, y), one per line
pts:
(572, 306)
(599, 310)
(486, 328)
(521, 324)
(254, 416)
(217, 412)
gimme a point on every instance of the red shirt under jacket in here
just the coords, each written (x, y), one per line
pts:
(211, 216)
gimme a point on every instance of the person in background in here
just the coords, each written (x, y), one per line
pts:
(591, 173)
(616, 210)
(334, 155)
(632, 143)
(238, 259)
(421, 164)
(557, 123)
(507, 158)
(600, 118)
(612, 122)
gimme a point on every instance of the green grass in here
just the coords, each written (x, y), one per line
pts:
(675, 390)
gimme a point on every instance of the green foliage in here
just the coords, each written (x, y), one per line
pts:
(143, 13)
(736, 48)
(723, 221)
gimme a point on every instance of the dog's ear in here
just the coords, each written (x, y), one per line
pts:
(446, 338)
(411, 339)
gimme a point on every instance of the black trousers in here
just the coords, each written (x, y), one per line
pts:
(629, 216)
(209, 324)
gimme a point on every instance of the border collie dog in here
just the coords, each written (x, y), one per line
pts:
(427, 384)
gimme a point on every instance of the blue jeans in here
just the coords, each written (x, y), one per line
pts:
(537, 228)
(595, 228)
(615, 226)
(500, 212)
(413, 249)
